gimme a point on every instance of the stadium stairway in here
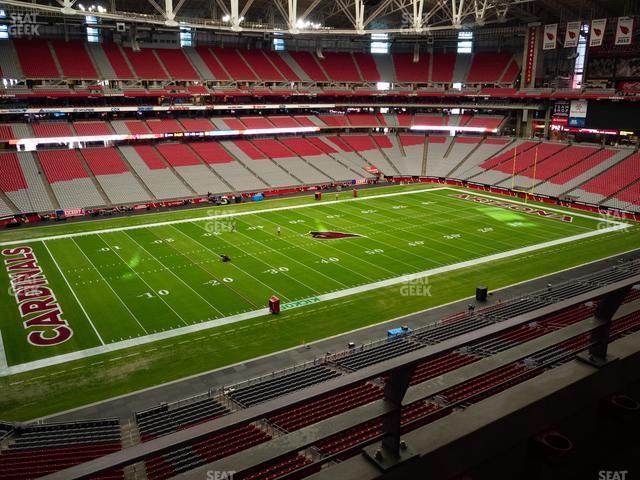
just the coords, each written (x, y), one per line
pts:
(94, 180)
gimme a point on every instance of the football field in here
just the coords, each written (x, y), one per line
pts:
(75, 295)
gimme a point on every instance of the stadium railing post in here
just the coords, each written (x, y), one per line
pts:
(597, 354)
(391, 450)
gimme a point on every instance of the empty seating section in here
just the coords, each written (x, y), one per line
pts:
(272, 148)
(9, 63)
(442, 67)
(362, 120)
(258, 163)
(508, 156)
(163, 420)
(230, 123)
(511, 73)
(630, 195)
(104, 161)
(429, 119)
(460, 149)
(275, 387)
(234, 63)
(290, 465)
(11, 177)
(178, 154)
(437, 164)
(114, 176)
(441, 364)
(38, 450)
(283, 122)
(261, 65)
(205, 451)
(405, 120)
(148, 164)
(257, 122)
(249, 149)
(308, 64)
(367, 66)
(583, 167)
(281, 64)
(137, 127)
(69, 179)
(616, 178)
(164, 126)
(288, 160)
(85, 129)
(74, 60)
(414, 149)
(211, 152)
(118, 62)
(301, 146)
(531, 157)
(340, 67)
(196, 125)
(304, 121)
(52, 129)
(368, 356)
(334, 120)
(490, 123)
(190, 167)
(212, 63)
(33, 197)
(327, 406)
(6, 132)
(488, 67)
(145, 64)
(408, 71)
(177, 64)
(61, 165)
(78, 60)
(325, 158)
(35, 59)
(488, 384)
(560, 161)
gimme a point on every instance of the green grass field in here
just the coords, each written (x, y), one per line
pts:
(148, 299)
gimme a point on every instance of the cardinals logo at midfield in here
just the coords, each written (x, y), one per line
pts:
(334, 235)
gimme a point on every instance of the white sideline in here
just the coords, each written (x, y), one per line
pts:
(213, 217)
(3, 357)
(25, 367)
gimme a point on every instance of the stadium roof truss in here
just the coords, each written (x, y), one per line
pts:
(303, 17)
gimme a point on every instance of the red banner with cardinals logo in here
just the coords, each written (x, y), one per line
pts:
(624, 32)
(531, 55)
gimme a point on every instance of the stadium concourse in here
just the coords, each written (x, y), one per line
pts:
(323, 240)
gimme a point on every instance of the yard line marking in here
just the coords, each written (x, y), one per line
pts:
(211, 217)
(25, 367)
(142, 279)
(73, 292)
(110, 287)
(173, 273)
(282, 296)
(299, 263)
